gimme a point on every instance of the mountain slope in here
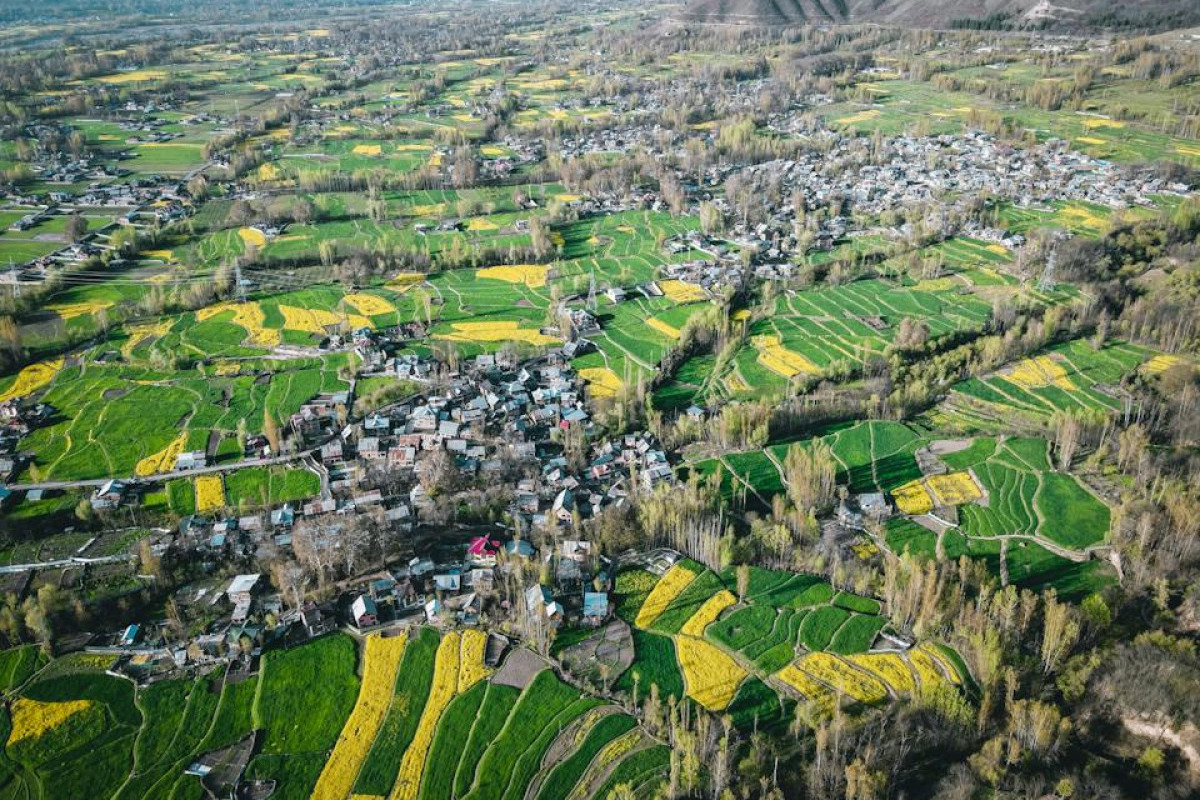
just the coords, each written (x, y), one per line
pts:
(1012, 14)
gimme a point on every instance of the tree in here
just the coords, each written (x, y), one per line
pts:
(77, 226)
(10, 336)
(291, 579)
(239, 213)
(316, 546)
(271, 431)
(810, 474)
(1060, 631)
(712, 221)
(1066, 437)
(539, 232)
(465, 169)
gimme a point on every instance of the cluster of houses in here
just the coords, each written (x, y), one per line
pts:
(245, 612)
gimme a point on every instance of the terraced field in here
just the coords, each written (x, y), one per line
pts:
(1072, 376)
(790, 637)
(1015, 512)
(424, 721)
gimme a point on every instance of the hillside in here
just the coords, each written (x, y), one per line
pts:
(989, 14)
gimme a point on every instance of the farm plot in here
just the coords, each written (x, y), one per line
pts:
(831, 330)
(1038, 520)
(872, 456)
(1067, 377)
(118, 420)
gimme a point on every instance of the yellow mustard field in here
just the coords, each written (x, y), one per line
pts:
(368, 304)
(1161, 363)
(163, 460)
(663, 594)
(134, 76)
(912, 498)
(777, 358)
(32, 719)
(708, 613)
(503, 331)
(862, 116)
(602, 381)
(710, 674)
(482, 224)
(249, 317)
(308, 320)
(471, 669)
(210, 493)
(382, 662)
(445, 685)
(682, 292)
(532, 275)
(32, 378)
(804, 684)
(928, 659)
(831, 671)
(954, 488)
(253, 237)
(68, 311)
(137, 334)
(889, 668)
(1038, 372)
(654, 323)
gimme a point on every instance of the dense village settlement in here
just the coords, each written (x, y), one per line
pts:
(540, 401)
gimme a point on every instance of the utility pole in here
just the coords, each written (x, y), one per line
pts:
(237, 277)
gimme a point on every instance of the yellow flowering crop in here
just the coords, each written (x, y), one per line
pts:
(309, 320)
(862, 116)
(367, 149)
(381, 663)
(816, 693)
(368, 304)
(928, 671)
(253, 237)
(663, 594)
(1084, 216)
(912, 498)
(710, 674)
(210, 493)
(143, 331)
(532, 275)
(670, 331)
(445, 684)
(163, 460)
(1161, 363)
(470, 668)
(832, 671)
(248, 316)
(68, 311)
(954, 488)
(602, 381)
(889, 668)
(503, 331)
(777, 358)
(682, 292)
(31, 719)
(1039, 371)
(927, 658)
(708, 613)
(32, 378)
(134, 76)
